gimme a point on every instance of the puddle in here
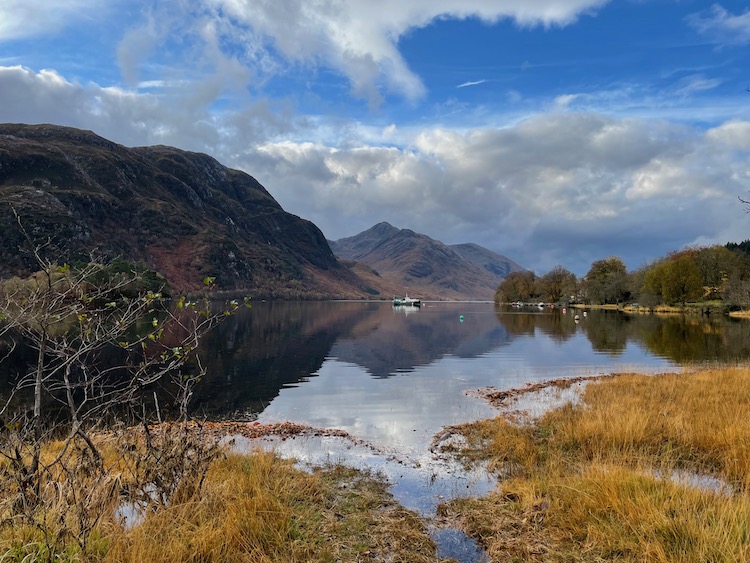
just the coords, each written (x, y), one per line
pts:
(455, 544)
(699, 481)
(130, 514)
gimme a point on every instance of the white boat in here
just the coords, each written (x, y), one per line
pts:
(406, 302)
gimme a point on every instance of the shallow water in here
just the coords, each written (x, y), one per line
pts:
(418, 483)
(455, 544)
(317, 359)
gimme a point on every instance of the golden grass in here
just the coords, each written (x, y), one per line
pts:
(251, 508)
(245, 513)
(260, 509)
(592, 482)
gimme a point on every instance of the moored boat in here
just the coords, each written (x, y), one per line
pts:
(406, 302)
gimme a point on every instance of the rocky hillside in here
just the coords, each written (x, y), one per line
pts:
(425, 267)
(182, 213)
(489, 261)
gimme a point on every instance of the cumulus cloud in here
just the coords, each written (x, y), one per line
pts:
(574, 187)
(734, 133)
(135, 118)
(559, 187)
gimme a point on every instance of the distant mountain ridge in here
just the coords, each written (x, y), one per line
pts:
(426, 267)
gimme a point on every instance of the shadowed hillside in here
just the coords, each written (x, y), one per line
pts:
(182, 213)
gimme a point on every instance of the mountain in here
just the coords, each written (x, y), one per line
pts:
(181, 213)
(425, 267)
(492, 262)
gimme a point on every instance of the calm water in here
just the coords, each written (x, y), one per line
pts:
(373, 369)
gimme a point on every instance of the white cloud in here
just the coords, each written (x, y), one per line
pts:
(134, 118)
(736, 134)
(551, 183)
(21, 19)
(565, 100)
(471, 83)
(356, 38)
(722, 26)
(697, 83)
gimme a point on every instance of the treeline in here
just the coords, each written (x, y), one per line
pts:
(691, 275)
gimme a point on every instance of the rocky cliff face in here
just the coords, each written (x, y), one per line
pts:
(426, 267)
(182, 213)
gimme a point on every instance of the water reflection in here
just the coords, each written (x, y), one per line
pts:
(696, 340)
(680, 338)
(254, 355)
(393, 345)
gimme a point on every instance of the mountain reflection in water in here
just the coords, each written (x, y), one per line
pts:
(276, 345)
(254, 355)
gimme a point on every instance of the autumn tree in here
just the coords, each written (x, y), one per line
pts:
(557, 285)
(637, 287)
(736, 292)
(676, 279)
(517, 286)
(717, 265)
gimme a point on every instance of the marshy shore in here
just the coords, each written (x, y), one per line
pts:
(636, 468)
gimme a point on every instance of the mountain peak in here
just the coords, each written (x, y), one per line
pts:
(424, 266)
(383, 229)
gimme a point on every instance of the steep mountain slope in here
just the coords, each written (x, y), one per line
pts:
(182, 213)
(492, 262)
(425, 267)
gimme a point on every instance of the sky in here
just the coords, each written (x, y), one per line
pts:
(549, 131)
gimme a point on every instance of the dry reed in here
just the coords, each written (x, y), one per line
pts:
(596, 481)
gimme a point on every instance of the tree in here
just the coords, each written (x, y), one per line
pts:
(676, 279)
(681, 280)
(607, 281)
(647, 294)
(557, 285)
(742, 247)
(717, 264)
(517, 286)
(101, 342)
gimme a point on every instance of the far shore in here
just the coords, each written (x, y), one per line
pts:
(711, 308)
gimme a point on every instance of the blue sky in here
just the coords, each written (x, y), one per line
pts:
(551, 131)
